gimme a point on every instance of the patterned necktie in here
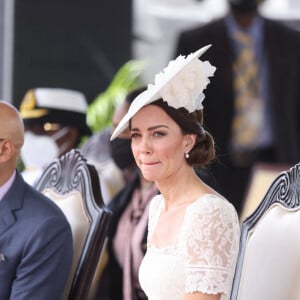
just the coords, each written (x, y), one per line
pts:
(248, 117)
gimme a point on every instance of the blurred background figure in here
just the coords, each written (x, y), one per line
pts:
(100, 114)
(97, 151)
(121, 147)
(157, 24)
(55, 122)
(255, 95)
(128, 229)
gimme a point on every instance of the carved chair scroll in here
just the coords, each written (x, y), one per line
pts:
(74, 186)
(268, 264)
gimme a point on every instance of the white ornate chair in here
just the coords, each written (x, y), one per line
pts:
(263, 174)
(268, 266)
(74, 186)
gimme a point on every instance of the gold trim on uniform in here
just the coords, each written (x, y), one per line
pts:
(28, 108)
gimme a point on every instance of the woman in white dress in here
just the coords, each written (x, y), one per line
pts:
(193, 232)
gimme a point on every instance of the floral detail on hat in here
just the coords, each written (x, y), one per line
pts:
(180, 84)
(185, 89)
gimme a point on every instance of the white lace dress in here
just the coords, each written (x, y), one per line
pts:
(203, 256)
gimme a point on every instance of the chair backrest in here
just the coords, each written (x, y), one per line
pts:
(268, 265)
(262, 176)
(74, 186)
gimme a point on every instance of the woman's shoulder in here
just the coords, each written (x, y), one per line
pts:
(209, 212)
(213, 203)
(213, 200)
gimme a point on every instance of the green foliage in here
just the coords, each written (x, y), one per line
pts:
(20, 165)
(100, 111)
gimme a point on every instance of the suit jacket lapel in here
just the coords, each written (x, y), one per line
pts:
(6, 218)
(11, 201)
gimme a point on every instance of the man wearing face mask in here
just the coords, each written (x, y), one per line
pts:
(55, 122)
(128, 227)
(121, 147)
(270, 106)
(96, 150)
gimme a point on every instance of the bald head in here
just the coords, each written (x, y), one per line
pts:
(11, 124)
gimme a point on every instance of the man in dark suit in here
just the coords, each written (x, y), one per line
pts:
(277, 52)
(35, 237)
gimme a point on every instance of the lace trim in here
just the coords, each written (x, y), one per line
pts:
(201, 281)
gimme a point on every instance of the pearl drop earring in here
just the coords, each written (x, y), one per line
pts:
(187, 155)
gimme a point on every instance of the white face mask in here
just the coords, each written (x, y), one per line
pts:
(38, 151)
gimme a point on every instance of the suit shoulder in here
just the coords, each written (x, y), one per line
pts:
(43, 206)
(192, 39)
(205, 29)
(282, 30)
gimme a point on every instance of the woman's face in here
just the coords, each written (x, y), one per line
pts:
(158, 144)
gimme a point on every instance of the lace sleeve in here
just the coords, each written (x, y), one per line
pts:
(211, 231)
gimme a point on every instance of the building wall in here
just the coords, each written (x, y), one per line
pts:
(77, 44)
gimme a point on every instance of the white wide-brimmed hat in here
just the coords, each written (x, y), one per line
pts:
(180, 84)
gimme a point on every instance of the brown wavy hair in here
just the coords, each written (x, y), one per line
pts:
(203, 151)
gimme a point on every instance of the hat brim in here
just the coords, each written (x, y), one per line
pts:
(152, 94)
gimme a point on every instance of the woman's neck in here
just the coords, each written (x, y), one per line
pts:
(183, 188)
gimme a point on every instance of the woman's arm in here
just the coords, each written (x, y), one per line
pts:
(201, 296)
